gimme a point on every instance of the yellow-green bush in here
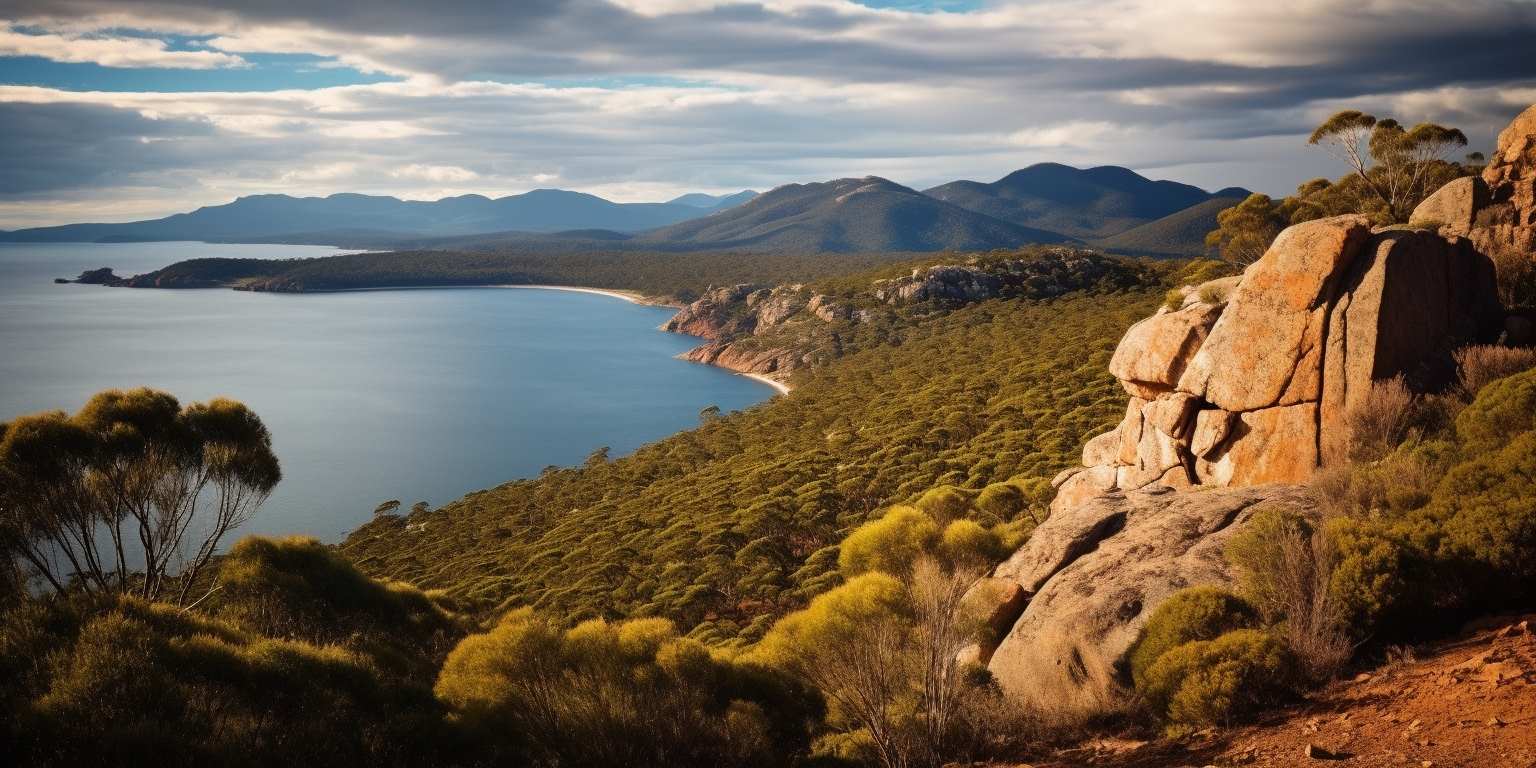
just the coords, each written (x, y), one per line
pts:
(1213, 682)
(727, 527)
(299, 588)
(1196, 613)
(1488, 509)
(1503, 410)
(126, 682)
(891, 543)
(603, 694)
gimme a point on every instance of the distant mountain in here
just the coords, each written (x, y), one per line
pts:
(265, 218)
(1178, 234)
(714, 202)
(1088, 204)
(846, 215)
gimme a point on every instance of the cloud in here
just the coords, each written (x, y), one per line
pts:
(441, 174)
(110, 51)
(655, 97)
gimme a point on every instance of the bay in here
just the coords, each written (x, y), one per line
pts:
(416, 395)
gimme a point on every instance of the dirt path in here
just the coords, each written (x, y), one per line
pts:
(1465, 702)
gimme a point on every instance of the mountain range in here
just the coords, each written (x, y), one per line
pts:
(1107, 206)
(262, 217)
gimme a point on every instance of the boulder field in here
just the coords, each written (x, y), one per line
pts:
(1237, 395)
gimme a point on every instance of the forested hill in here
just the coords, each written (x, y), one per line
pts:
(727, 526)
(672, 275)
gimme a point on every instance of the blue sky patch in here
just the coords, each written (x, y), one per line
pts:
(266, 72)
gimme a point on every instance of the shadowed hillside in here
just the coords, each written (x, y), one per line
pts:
(1092, 203)
(848, 215)
(1177, 234)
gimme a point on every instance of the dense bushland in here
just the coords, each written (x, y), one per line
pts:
(681, 276)
(723, 528)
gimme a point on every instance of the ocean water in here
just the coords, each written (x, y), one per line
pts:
(416, 395)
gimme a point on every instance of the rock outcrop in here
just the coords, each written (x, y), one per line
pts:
(1094, 573)
(1237, 394)
(776, 331)
(1504, 216)
(1249, 383)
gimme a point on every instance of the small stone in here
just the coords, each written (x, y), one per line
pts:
(1495, 722)
(1316, 752)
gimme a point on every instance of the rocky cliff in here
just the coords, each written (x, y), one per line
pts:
(1247, 382)
(775, 331)
(1240, 390)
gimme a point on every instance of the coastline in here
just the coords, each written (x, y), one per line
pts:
(633, 297)
(779, 387)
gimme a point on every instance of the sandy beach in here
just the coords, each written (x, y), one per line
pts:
(632, 297)
(778, 386)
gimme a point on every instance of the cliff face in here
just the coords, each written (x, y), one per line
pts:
(776, 331)
(1241, 390)
(1249, 383)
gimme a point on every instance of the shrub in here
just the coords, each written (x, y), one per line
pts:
(1212, 294)
(1001, 502)
(1213, 682)
(1503, 409)
(966, 545)
(1382, 582)
(946, 503)
(1479, 365)
(1196, 613)
(1285, 567)
(890, 544)
(1173, 299)
(634, 693)
(125, 682)
(1488, 511)
(1381, 421)
(1516, 272)
(297, 587)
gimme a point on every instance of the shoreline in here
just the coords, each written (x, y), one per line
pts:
(779, 387)
(633, 297)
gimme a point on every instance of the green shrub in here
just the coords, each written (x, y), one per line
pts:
(126, 682)
(1285, 567)
(1196, 613)
(1001, 502)
(1488, 509)
(297, 587)
(890, 544)
(1503, 410)
(1212, 294)
(1213, 682)
(603, 694)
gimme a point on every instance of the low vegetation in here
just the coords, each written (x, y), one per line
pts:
(679, 276)
(724, 528)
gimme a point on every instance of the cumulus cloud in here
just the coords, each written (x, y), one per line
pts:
(655, 97)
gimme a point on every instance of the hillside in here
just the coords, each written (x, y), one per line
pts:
(847, 215)
(714, 202)
(681, 276)
(1178, 234)
(1081, 203)
(350, 217)
(725, 527)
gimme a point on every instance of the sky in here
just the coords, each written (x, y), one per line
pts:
(116, 110)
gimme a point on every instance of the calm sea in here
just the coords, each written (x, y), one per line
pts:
(374, 395)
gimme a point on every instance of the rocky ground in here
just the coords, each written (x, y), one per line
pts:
(1470, 702)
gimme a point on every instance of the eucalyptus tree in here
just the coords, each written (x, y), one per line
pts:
(1400, 166)
(133, 494)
